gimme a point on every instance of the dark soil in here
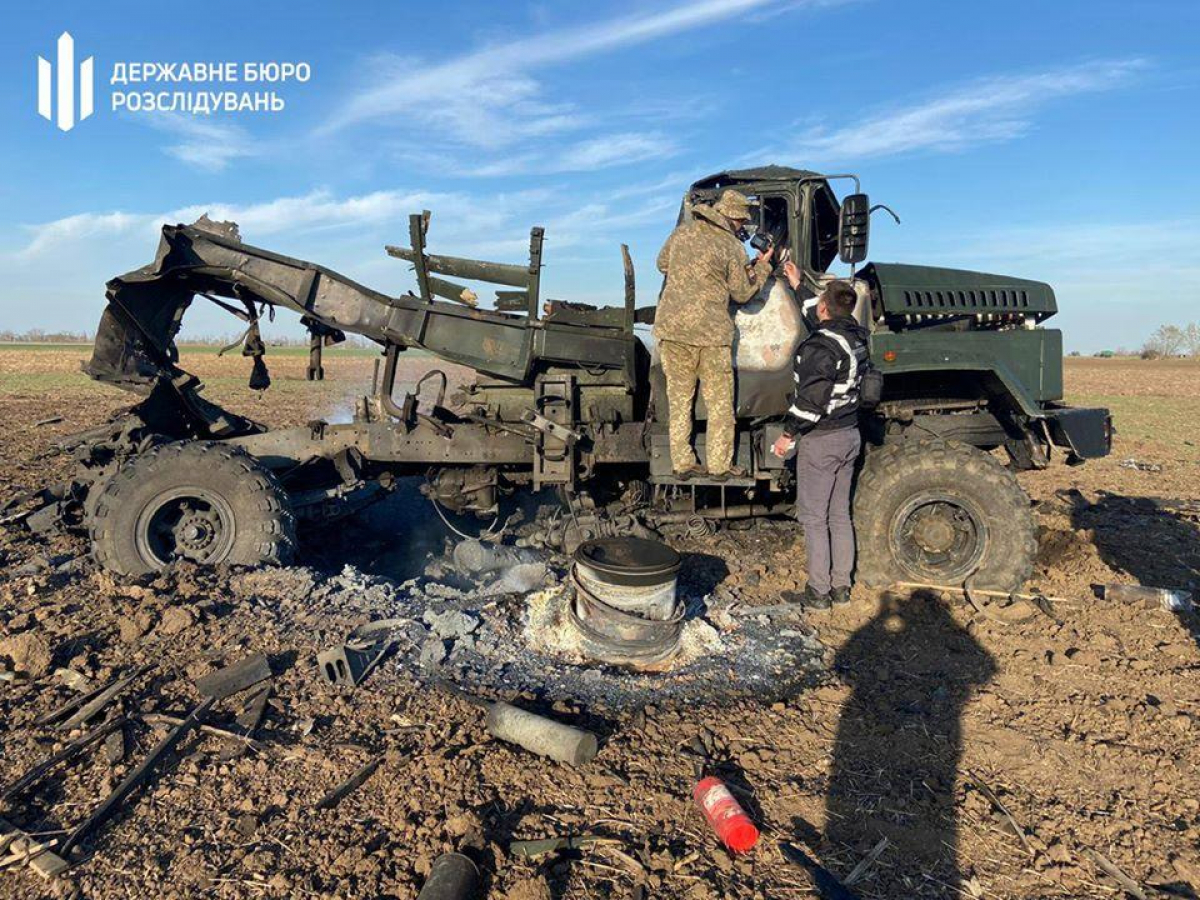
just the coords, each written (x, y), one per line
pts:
(922, 715)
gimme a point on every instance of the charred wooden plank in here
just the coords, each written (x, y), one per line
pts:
(350, 785)
(67, 753)
(140, 774)
(236, 677)
(82, 709)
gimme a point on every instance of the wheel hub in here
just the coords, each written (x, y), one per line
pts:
(186, 523)
(196, 533)
(933, 531)
(938, 538)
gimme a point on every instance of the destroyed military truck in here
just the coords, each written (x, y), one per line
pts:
(570, 397)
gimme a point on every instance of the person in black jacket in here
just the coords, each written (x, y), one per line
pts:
(823, 419)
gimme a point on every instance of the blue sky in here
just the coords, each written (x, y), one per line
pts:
(1048, 140)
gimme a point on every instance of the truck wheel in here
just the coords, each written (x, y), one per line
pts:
(936, 513)
(194, 500)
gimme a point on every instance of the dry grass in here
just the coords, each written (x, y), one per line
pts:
(1155, 403)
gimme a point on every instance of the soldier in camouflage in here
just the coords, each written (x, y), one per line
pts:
(705, 267)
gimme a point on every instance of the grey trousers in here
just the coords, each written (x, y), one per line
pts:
(824, 471)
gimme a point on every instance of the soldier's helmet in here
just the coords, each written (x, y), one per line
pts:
(733, 205)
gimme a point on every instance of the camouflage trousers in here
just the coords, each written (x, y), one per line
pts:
(682, 365)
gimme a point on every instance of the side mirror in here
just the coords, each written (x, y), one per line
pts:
(854, 227)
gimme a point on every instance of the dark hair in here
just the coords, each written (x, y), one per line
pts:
(840, 298)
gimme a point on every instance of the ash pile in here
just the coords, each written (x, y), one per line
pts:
(626, 622)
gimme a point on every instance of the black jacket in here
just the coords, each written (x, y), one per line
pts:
(828, 372)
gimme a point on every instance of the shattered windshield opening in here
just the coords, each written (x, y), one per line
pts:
(823, 242)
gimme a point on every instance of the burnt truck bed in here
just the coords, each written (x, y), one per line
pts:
(571, 397)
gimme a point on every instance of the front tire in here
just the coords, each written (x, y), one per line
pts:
(198, 501)
(939, 513)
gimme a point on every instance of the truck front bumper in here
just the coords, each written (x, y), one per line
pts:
(1083, 433)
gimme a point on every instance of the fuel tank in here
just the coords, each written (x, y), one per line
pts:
(768, 330)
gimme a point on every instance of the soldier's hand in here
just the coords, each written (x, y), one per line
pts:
(783, 445)
(792, 273)
(765, 254)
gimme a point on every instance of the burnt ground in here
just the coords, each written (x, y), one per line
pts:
(919, 717)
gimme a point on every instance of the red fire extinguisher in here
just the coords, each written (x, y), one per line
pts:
(725, 815)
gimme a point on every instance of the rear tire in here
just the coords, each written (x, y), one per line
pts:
(936, 512)
(198, 501)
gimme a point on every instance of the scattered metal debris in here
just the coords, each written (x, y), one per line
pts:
(242, 674)
(350, 785)
(624, 602)
(352, 662)
(1111, 869)
(535, 848)
(365, 648)
(137, 777)
(66, 754)
(86, 707)
(1172, 599)
(540, 735)
(452, 877)
(535, 733)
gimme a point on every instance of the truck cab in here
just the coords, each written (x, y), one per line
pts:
(964, 354)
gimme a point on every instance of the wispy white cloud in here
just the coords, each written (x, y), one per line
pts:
(489, 101)
(316, 209)
(1115, 280)
(205, 143)
(467, 222)
(489, 79)
(993, 109)
(1114, 257)
(591, 154)
(347, 233)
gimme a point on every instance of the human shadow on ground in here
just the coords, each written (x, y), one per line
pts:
(699, 576)
(1156, 541)
(912, 670)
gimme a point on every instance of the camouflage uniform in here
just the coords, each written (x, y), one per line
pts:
(706, 267)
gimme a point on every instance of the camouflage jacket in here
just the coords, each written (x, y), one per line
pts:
(706, 267)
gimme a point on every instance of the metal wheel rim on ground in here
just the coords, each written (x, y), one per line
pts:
(199, 519)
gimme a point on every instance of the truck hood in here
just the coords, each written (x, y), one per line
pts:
(933, 291)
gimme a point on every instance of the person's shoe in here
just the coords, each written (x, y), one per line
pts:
(731, 472)
(811, 599)
(840, 596)
(687, 473)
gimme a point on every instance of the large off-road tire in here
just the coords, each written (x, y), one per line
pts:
(200, 501)
(938, 513)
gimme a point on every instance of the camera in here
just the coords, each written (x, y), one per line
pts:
(761, 241)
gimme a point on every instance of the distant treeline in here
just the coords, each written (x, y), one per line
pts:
(39, 336)
(1167, 342)
(1171, 340)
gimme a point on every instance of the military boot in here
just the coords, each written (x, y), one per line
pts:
(812, 600)
(731, 472)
